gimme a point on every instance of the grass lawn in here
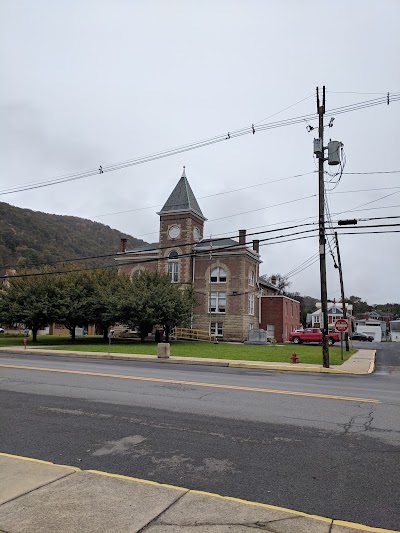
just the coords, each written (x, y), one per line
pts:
(305, 353)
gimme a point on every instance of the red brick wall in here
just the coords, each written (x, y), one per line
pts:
(282, 312)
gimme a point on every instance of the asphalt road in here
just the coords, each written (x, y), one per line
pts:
(320, 451)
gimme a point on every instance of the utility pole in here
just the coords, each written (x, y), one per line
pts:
(346, 335)
(322, 255)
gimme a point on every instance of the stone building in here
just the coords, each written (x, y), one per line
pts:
(223, 272)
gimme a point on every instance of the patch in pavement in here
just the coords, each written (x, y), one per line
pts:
(209, 465)
(123, 446)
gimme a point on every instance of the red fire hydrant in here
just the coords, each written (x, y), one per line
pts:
(294, 358)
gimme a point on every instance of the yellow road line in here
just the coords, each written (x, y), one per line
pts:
(350, 525)
(194, 383)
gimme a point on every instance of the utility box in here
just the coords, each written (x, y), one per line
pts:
(334, 152)
(318, 148)
(163, 350)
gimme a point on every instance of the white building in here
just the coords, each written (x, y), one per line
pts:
(395, 330)
(373, 328)
(335, 312)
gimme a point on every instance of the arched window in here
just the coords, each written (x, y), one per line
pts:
(218, 275)
(136, 273)
(173, 266)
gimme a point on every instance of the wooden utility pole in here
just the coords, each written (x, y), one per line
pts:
(322, 255)
(346, 335)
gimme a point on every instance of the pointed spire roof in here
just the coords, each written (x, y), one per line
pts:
(182, 199)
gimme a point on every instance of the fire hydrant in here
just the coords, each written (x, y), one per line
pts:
(294, 358)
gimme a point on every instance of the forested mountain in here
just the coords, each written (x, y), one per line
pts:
(28, 237)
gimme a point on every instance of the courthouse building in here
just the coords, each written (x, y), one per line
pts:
(223, 272)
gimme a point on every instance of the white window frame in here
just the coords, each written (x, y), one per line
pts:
(173, 271)
(251, 278)
(220, 275)
(251, 304)
(173, 266)
(219, 300)
(216, 329)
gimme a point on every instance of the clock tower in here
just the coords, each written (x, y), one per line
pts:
(181, 227)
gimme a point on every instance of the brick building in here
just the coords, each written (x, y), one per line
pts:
(223, 272)
(280, 315)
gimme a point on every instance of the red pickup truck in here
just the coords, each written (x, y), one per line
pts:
(312, 335)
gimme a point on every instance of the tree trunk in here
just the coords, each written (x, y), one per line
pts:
(142, 336)
(105, 334)
(34, 333)
(166, 334)
(72, 331)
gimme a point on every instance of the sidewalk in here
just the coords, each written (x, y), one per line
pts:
(362, 362)
(39, 497)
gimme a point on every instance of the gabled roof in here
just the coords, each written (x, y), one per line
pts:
(338, 310)
(213, 244)
(182, 199)
(148, 247)
(265, 283)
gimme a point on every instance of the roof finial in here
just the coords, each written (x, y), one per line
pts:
(184, 173)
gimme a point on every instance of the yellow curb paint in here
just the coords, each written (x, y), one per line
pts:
(194, 383)
(137, 480)
(37, 461)
(181, 360)
(289, 368)
(263, 505)
(361, 527)
(211, 494)
(351, 525)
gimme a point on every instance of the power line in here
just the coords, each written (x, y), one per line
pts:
(206, 252)
(194, 145)
(214, 194)
(356, 92)
(154, 249)
(221, 193)
(373, 172)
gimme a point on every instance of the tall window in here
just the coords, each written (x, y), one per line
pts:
(173, 266)
(217, 302)
(251, 304)
(218, 275)
(216, 329)
(251, 278)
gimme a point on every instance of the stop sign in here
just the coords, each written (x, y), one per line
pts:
(341, 325)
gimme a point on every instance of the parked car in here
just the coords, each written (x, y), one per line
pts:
(361, 337)
(312, 335)
(2, 330)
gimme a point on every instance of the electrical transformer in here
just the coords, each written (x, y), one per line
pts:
(334, 152)
(318, 149)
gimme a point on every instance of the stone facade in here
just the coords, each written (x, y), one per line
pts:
(223, 272)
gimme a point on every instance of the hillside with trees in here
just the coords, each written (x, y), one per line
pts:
(28, 237)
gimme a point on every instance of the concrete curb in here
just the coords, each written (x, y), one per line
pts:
(372, 364)
(278, 367)
(217, 504)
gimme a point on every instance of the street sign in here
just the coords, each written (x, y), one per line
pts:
(341, 325)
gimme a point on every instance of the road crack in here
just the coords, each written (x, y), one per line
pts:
(359, 423)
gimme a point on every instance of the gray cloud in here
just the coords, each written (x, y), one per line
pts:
(89, 83)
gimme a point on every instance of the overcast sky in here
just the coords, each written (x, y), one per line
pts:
(85, 83)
